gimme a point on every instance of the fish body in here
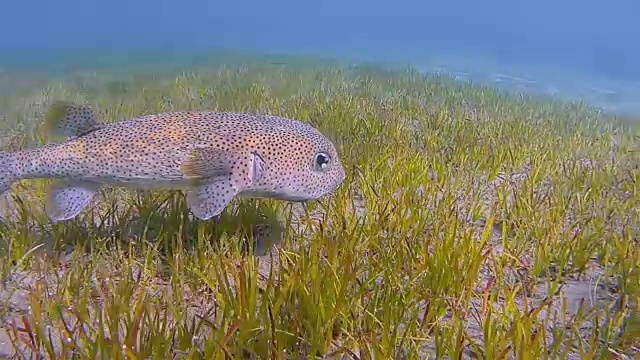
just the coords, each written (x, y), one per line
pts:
(211, 156)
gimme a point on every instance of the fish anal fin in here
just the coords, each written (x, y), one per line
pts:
(67, 198)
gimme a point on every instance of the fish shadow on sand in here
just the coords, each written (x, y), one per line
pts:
(130, 222)
(120, 218)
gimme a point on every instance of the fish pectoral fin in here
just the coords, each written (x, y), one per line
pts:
(203, 163)
(218, 176)
(256, 168)
(70, 120)
(211, 163)
(67, 198)
(208, 200)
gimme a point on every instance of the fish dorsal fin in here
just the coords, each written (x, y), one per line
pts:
(70, 120)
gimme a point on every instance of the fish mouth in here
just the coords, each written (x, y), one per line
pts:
(334, 189)
(295, 195)
(337, 184)
(331, 192)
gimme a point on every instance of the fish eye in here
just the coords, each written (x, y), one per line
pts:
(321, 161)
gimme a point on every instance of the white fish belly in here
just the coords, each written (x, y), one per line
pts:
(141, 183)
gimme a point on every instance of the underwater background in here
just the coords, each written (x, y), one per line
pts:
(577, 50)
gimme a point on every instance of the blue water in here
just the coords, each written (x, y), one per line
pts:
(577, 49)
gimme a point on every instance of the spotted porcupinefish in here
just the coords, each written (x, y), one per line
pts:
(211, 156)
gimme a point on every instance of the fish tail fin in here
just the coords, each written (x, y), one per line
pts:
(8, 174)
(70, 120)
